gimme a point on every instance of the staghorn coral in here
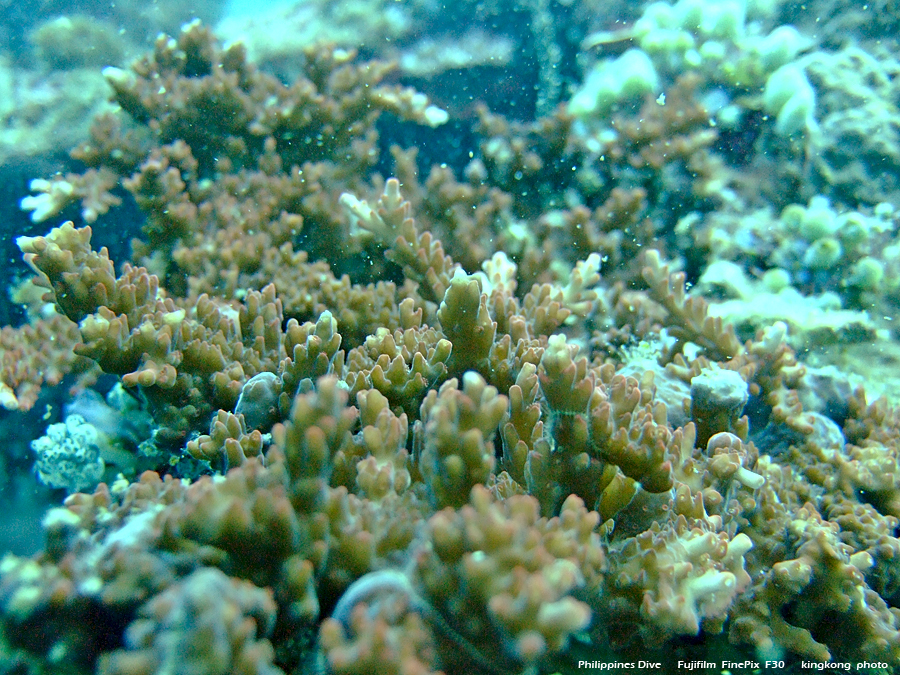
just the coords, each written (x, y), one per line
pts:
(678, 576)
(451, 460)
(174, 629)
(457, 448)
(322, 490)
(321, 494)
(795, 598)
(379, 643)
(279, 139)
(608, 435)
(419, 254)
(182, 361)
(401, 365)
(36, 354)
(228, 443)
(524, 572)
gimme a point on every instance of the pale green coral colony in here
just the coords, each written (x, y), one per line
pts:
(721, 41)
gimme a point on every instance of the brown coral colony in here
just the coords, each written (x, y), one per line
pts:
(451, 461)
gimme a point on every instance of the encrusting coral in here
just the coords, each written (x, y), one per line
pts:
(452, 471)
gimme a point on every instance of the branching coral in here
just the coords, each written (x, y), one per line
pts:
(454, 457)
(36, 354)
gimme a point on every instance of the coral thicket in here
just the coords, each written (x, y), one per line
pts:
(445, 421)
